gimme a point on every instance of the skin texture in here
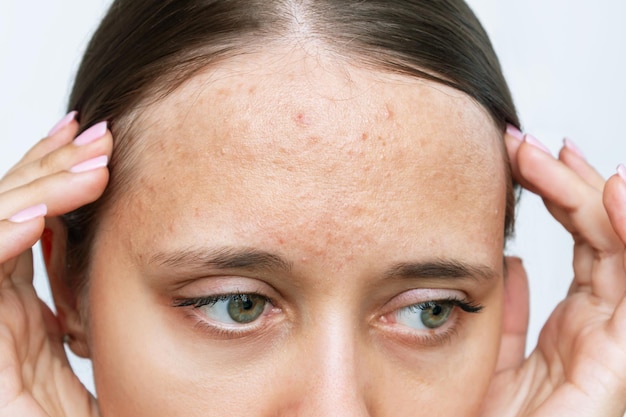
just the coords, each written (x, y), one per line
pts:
(344, 174)
(359, 185)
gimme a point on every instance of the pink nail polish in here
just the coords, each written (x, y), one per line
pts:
(531, 140)
(66, 120)
(30, 213)
(621, 170)
(573, 147)
(90, 164)
(92, 134)
(515, 132)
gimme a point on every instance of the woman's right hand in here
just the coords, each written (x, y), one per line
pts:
(58, 175)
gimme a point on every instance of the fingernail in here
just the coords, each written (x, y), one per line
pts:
(531, 140)
(573, 147)
(92, 134)
(90, 164)
(30, 213)
(621, 170)
(66, 120)
(515, 132)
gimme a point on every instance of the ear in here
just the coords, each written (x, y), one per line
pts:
(66, 300)
(516, 315)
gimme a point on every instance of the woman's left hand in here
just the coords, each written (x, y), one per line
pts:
(579, 365)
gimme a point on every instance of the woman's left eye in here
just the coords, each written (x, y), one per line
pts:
(230, 308)
(425, 316)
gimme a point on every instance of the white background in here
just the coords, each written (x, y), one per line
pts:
(564, 60)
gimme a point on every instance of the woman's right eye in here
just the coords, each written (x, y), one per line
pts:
(232, 309)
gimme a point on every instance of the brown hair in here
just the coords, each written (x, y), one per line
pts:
(145, 49)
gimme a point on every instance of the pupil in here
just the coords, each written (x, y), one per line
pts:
(436, 310)
(247, 304)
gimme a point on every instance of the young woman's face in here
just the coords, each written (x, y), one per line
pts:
(302, 238)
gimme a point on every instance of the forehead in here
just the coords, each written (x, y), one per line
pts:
(275, 147)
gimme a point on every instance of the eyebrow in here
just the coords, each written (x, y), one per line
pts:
(442, 268)
(251, 259)
(221, 258)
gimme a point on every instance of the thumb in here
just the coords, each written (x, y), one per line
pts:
(516, 315)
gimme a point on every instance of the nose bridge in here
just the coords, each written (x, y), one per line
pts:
(336, 387)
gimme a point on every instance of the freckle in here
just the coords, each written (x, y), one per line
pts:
(252, 90)
(196, 212)
(364, 136)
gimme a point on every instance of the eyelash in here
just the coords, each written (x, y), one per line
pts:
(220, 331)
(438, 337)
(467, 306)
(435, 337)
(211, 300)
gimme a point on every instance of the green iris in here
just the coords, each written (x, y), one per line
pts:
(245, 308)
(434, 314)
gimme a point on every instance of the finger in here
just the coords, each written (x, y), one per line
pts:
(573, 157)
(574, 202)
(64, 134)
(516, 316)
(61, 192)
(614, 199)
(16, 238)
(578, 207)
(92, 143)
(513, 145)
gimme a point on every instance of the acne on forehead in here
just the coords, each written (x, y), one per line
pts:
(338, 159)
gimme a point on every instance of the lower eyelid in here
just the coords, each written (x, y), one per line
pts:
(233, 331)
(425, 338)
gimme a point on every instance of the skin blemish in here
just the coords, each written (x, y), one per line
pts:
(390, 112)
(364, 136)
(302, 119)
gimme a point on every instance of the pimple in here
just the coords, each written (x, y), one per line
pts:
(390, 113)
(302, 119)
